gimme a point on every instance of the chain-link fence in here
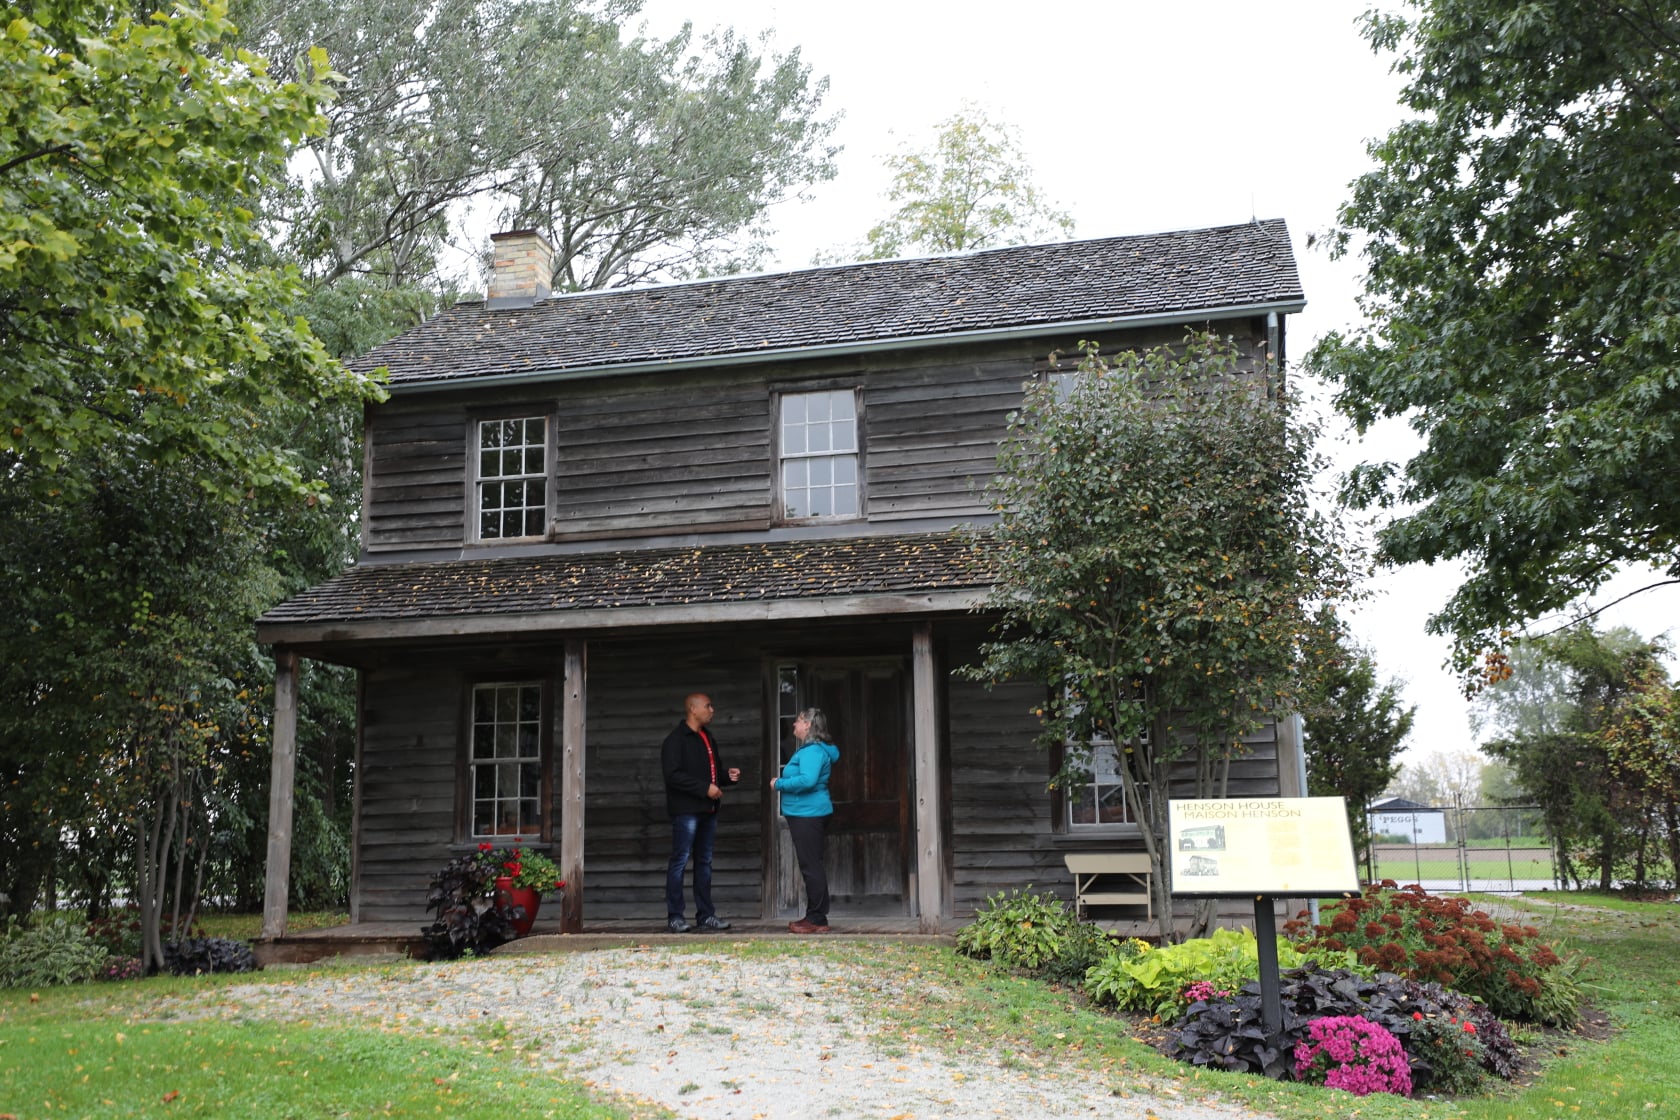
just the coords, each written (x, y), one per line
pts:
(1461, 848)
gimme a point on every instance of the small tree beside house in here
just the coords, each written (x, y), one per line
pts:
(1160, 563)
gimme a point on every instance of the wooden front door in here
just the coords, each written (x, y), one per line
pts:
(869, 836)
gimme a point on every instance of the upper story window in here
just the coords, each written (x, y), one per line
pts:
(819, 455)
(512, 478)
(505, 760)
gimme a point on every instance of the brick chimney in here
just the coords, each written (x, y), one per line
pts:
(522, 270)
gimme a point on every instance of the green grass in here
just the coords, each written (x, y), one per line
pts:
(94, 1051)
(98, 1050)
(247, 927)
(1405, 866)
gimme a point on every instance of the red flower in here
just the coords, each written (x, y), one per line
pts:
(1417, 1015)
(1470, 1028)
(485, 846)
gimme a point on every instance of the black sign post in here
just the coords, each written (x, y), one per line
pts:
(1271, 989)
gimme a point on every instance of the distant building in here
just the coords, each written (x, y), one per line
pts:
(1396, 816)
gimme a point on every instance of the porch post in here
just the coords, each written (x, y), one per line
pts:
(930, 842)
(283, 771)
(571, 784)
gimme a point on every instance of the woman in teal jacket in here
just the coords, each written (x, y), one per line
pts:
(806, 806)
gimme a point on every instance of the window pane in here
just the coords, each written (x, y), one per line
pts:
(845, 501)
(822, 502)
(1111, 807)
(845, 407)
(845, 470)
(819, 437)
(1082, 805)
(793, 409)
(822, 472)
(794, 474)
(533, 462)
(793, 439)
(817, 406)
(843, 436)
(489, 435)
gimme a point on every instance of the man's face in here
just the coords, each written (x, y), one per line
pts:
(701, 710)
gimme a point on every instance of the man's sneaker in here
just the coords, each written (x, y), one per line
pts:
(802, 926)
(713, 923)
(678, 925)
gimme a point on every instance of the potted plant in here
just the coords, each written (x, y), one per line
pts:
(525, 876)
(485, 898)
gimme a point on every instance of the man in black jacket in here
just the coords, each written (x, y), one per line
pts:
(694, 781)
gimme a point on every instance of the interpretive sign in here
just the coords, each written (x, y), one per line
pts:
(1250, 846)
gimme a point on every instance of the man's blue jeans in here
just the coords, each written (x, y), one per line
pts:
(691, 832)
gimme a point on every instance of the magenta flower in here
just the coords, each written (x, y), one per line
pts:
(1354, 1054)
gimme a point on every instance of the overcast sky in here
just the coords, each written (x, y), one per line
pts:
(1138, 117)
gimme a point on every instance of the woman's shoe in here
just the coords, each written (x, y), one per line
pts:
(802, 926)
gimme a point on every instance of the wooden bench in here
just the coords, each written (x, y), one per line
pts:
(1110, 879)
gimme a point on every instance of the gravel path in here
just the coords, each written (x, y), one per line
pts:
(719, 1038)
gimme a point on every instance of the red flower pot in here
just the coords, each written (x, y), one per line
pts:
(508, 895)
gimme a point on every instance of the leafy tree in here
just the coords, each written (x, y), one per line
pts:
(131, 154)
(637, 158)
(162, 415)
(1600, 754)
(1159, 559)
(972, 190)
(1521, 253)
(1354, 728)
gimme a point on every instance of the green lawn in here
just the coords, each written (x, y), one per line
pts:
(1406, 865)
(95, 1051)
(98, 1051)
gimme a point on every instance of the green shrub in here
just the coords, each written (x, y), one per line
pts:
(1084, 946)
(1025, 930)
(57, 951)
(1413, 933)
(1157, 982)
(118, 932)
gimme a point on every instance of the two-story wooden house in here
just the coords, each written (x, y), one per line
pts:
(581, 508)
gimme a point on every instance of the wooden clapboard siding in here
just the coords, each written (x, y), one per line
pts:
(933, 428)
(1000, 807)
(410, 743)
(663, 453)
(417, 481)
(636, 692)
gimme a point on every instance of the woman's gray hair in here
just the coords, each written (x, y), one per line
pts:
(817, 732)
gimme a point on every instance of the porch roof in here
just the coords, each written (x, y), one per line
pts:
(613, 590)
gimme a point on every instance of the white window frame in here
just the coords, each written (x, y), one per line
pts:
(505, 761)
(797, 458)
(1100, 777)
(524, 477)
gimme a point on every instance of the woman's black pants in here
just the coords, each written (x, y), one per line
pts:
(810, 838)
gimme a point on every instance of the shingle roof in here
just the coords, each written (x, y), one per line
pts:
(802, 569)
(1188, 271)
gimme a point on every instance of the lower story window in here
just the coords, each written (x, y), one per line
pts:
(505, 763)
(1096, 796)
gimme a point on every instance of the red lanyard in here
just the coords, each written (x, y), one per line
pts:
(711, 759)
